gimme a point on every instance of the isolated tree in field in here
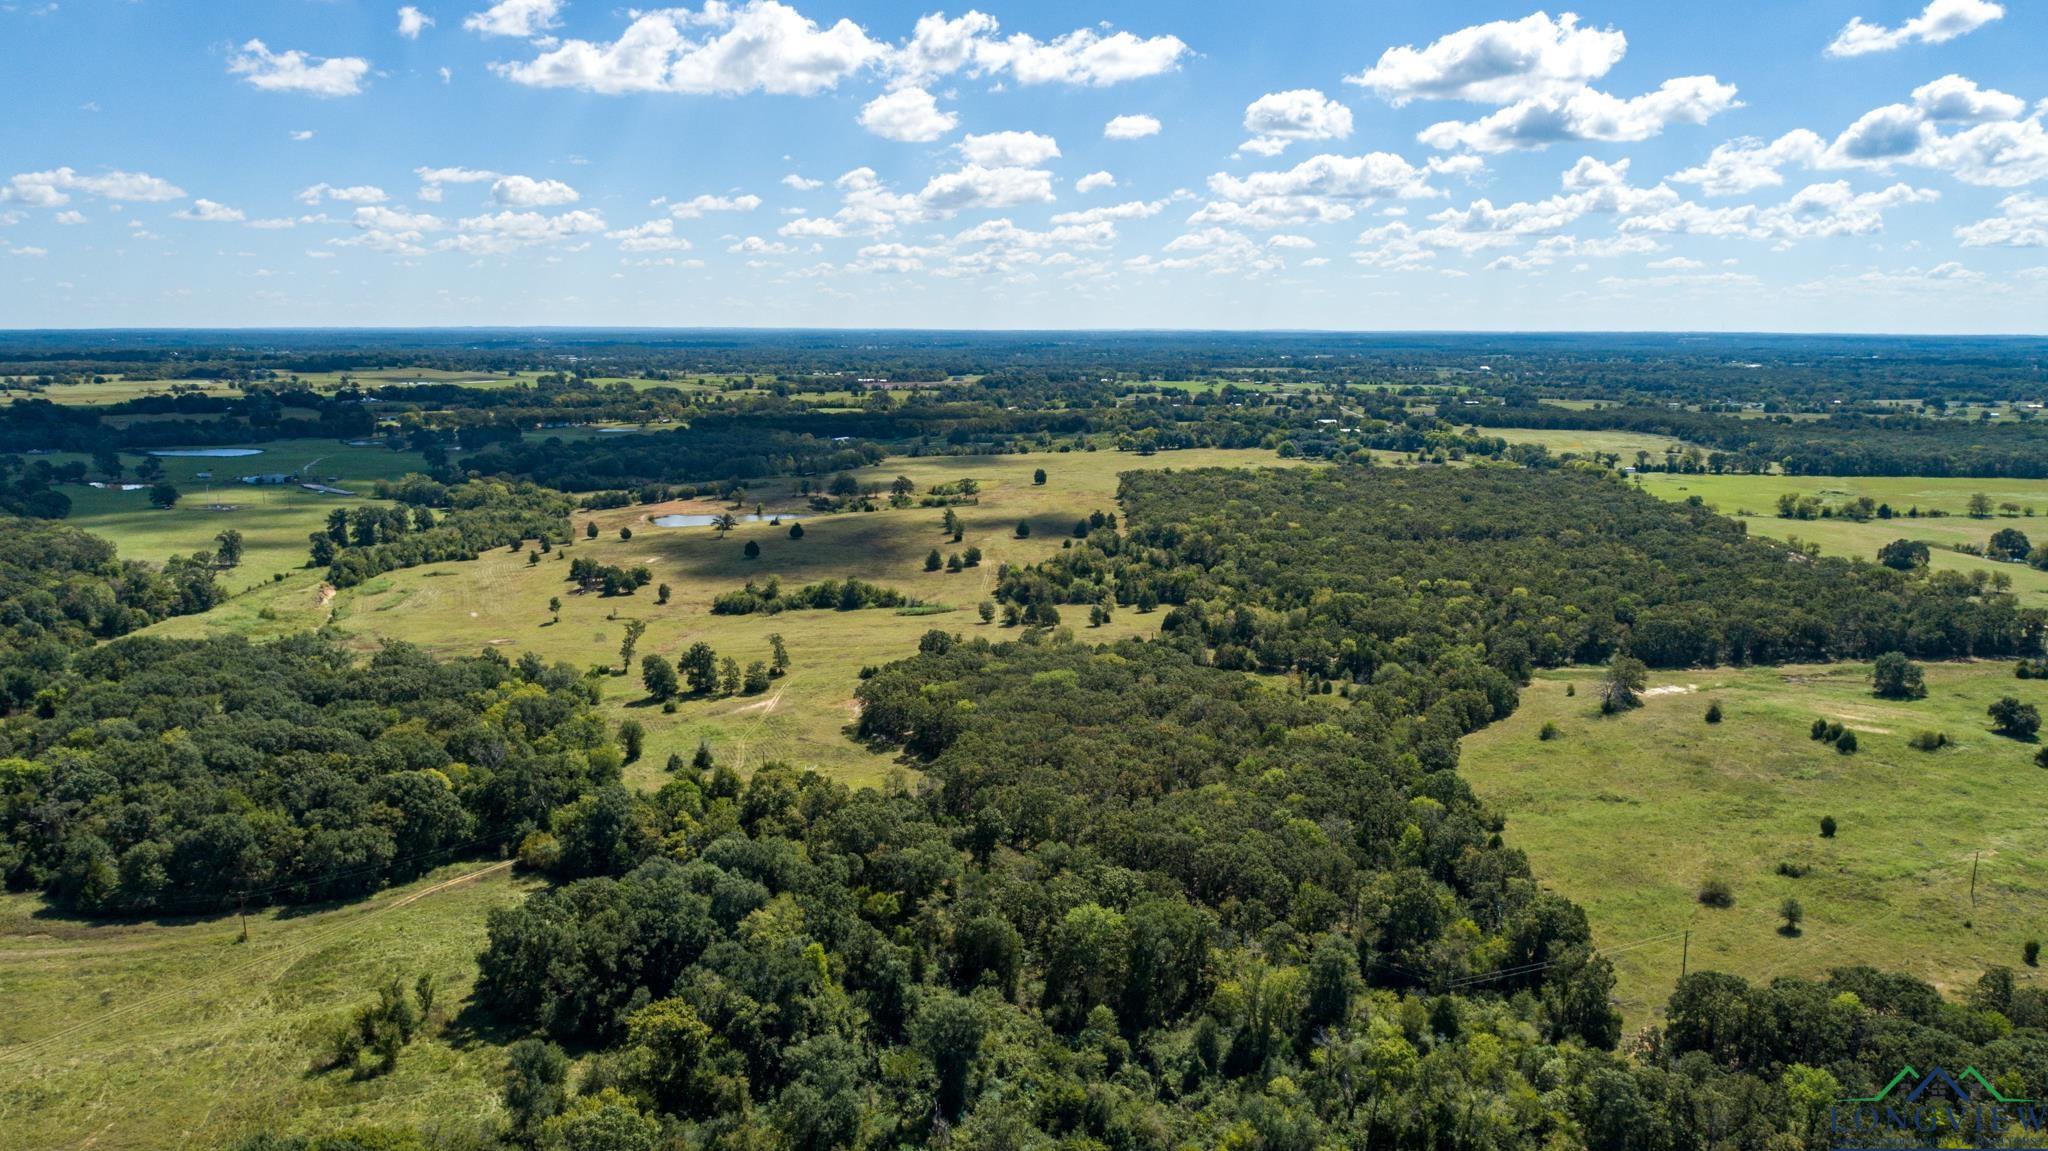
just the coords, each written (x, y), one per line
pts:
(555, 607)
(635, 628)
(1827, 827)
(796, 531)
(1903, 555)
(1038, 477)
(1980, 506)
(1846, 743)
(1793, 915)
(951, 524)
(953, 563)
(752, 551)
(661, 594)
(163, 494)
(1896, 677)
(730, 677)
(590, 530)
(229, 553)
(756, 679)
(702, 760)
(1621, 687)
(699, 668)
(632, 739)
(779, 661)
(659, 677)
(107, 462)
(972, 557)
(932, 561)
(1023, 529)
(2010, 717)
(2008, 544)
(1714, 712)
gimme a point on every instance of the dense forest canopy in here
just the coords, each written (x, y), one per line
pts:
(175, 775)
(1145, 904)
(62, 590)
(1369, 575)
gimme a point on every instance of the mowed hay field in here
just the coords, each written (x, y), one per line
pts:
(500, 600)
(1628, 815)
(1584, 443)
(274, 519)
(157, 1036)
(1732, 495)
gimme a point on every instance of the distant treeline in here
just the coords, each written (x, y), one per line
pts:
(1844, 445)
(36, 424)
(1694, 367)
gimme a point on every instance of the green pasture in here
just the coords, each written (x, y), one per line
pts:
(1628, 815)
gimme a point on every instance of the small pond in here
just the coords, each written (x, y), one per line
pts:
(209, 453)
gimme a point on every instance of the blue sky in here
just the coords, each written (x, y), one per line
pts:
(1861, 165)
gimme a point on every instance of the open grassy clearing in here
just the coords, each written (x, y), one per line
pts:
(274, 519)
(501, 600)
(174, 1034)
(1562, 440)
(1758, 495)
(117, 389)
(1629, 815)
(1951, 494)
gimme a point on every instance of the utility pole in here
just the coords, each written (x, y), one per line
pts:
(242, 913)
(1974, 857)
(1685, 954)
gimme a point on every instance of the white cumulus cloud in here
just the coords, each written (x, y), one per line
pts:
(527, 192)
(1939, 22)
(1008, 149)
(909, 115)
(210, 212)
(2022, 222)
(515, 18)
(1587, 115)
(698, 205)
(412, 22)
(758, 46)
(54, 188)
(1131, 127)
(295, 71)
(1277, 119)
(1497, 63)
